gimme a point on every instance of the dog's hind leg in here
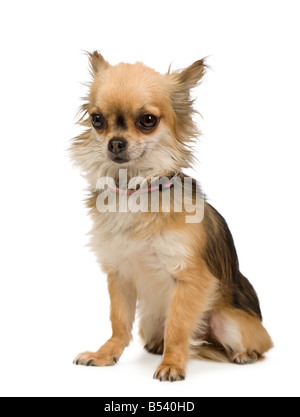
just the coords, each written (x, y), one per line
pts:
(240, 333)
(152, 332)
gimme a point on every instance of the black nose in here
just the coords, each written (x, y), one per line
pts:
(117, 145)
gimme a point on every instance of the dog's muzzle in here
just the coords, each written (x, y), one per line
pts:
(117, 150)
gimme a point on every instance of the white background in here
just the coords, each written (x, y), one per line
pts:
(53, 297)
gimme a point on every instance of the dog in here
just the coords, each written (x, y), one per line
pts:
(182, 277)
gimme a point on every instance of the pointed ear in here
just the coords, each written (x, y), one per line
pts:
(191, 76)
(97, 63)
(182, 82)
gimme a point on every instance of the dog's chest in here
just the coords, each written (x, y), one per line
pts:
(151, 262)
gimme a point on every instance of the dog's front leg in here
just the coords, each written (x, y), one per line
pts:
(123, 307)
(192, 297)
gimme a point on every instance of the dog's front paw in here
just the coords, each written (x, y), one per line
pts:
(169, 373)
(95, 359)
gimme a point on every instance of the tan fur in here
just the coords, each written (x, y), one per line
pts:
(183, 278)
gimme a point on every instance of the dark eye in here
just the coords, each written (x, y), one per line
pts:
(98, 121)
(148, 121)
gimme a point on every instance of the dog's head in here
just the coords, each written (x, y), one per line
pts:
(137, 119)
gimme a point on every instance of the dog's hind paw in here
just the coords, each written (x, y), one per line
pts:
(157, 348)
(246, 358)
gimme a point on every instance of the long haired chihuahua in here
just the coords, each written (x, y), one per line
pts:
(180, 272)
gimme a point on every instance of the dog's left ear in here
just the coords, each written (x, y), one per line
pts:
(189, 77)
(181, 84)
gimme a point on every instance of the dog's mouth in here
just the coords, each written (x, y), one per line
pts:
(120, 159)
(123, 159)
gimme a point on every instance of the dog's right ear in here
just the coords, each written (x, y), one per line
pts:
(97, 63)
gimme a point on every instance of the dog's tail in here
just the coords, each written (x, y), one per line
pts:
(209, 352)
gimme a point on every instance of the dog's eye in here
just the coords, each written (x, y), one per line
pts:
(148, 121)
(98, 121)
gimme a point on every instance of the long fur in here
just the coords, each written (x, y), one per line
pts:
(184, 279)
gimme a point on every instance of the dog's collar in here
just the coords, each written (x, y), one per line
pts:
(160, 187)
(144, 190)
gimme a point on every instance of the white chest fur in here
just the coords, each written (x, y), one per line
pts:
(149, 263)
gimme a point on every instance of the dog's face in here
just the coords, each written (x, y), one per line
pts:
(127, 109)
(139, 118)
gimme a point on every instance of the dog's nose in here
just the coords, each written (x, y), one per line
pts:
(117, 145)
